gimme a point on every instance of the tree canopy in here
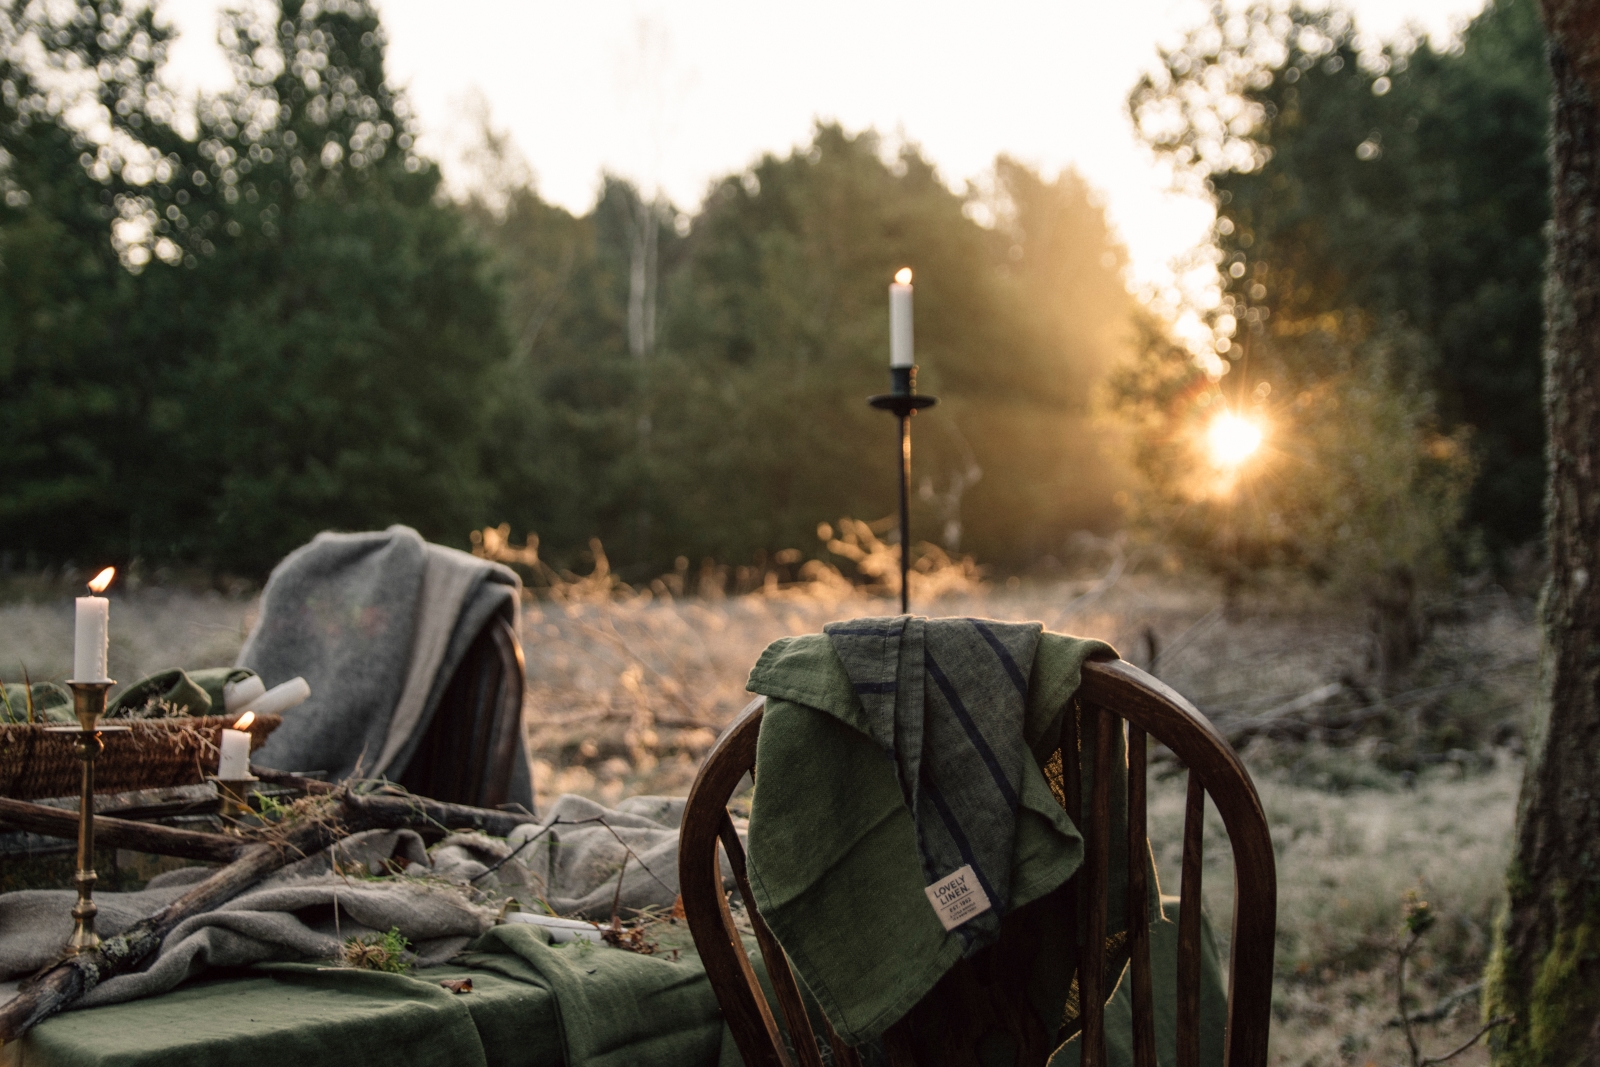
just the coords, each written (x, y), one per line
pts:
(225, 326)
(219, 342)
(1369, 190)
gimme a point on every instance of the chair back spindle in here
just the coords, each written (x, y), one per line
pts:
(1111, 694)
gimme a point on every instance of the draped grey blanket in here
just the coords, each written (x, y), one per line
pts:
(377, 623)
(945, 700)
(439, 898)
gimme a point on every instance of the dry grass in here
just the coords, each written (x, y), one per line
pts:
(628, 687)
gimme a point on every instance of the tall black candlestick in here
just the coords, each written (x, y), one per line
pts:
(904, 402)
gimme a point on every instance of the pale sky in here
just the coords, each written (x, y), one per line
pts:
(675, 96)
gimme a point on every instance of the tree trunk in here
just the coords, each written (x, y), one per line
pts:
(1546, 967)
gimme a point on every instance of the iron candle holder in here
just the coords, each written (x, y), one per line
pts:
(904, 401)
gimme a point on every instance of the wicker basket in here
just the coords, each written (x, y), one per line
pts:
(154, 754)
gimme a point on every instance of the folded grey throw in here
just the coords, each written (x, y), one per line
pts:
(376, 623)
(439, 898)
(945, 699)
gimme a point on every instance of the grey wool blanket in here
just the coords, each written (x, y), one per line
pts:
(439, 898)
(944, 700)
(376, 623)
(302, 912)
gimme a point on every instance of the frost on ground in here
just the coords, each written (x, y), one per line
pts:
(1371, 786)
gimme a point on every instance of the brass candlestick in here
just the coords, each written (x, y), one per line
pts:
(88, 704)
(234, 794)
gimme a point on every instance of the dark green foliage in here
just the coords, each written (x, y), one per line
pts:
(1380, 193)
(219, 335)
(284, 333)
(746, 424)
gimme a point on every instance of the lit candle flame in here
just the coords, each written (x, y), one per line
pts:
(243, 722)
(903, 276)
(1231, 439)
(100, 581)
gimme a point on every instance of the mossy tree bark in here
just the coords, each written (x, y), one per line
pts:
(1546, 966)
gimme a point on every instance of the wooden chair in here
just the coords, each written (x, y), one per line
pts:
(468, 752)
(1115, 692)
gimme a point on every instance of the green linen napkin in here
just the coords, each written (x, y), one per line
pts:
(1164, 998)
(616, 1008)
(834, 861)
(177, 692)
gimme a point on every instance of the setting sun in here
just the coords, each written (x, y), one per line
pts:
(1231, 439)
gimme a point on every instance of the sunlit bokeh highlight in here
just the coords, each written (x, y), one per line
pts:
(1231, 439)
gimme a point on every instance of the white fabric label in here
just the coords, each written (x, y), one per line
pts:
(958, 897)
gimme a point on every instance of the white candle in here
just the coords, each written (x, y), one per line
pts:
(280, 698)
(900, 349)
(92, 634)
(236, 696)
(235, 761)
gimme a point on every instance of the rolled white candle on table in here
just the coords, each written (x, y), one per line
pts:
(901, 352)
(234, 763)
(280, 698)
(236, 696)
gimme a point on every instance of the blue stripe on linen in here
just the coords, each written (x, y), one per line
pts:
(973, 734)
(948, 817)
(1005, 658)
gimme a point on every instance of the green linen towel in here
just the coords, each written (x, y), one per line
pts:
(834, 861)
(943, 698)
(1164, 999)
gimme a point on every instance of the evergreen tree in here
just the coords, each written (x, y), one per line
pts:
(1367, 190)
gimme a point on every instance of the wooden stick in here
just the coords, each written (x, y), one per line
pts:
(121, 833)
(62, 984)
(421, 813)
(293, 781)
(410, 811)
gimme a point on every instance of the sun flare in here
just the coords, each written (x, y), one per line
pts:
(1231, 439)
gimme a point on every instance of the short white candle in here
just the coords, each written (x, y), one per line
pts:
(235, 762)
(900, 348)
(92, 634)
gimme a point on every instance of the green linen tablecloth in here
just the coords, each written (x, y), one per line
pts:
(533, 1004)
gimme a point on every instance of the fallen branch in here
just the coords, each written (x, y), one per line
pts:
(419, 813)
(1243, 729)
(346, 813)
(121, 833)
(1441, 1010)
(63, 984)
(309, 786)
